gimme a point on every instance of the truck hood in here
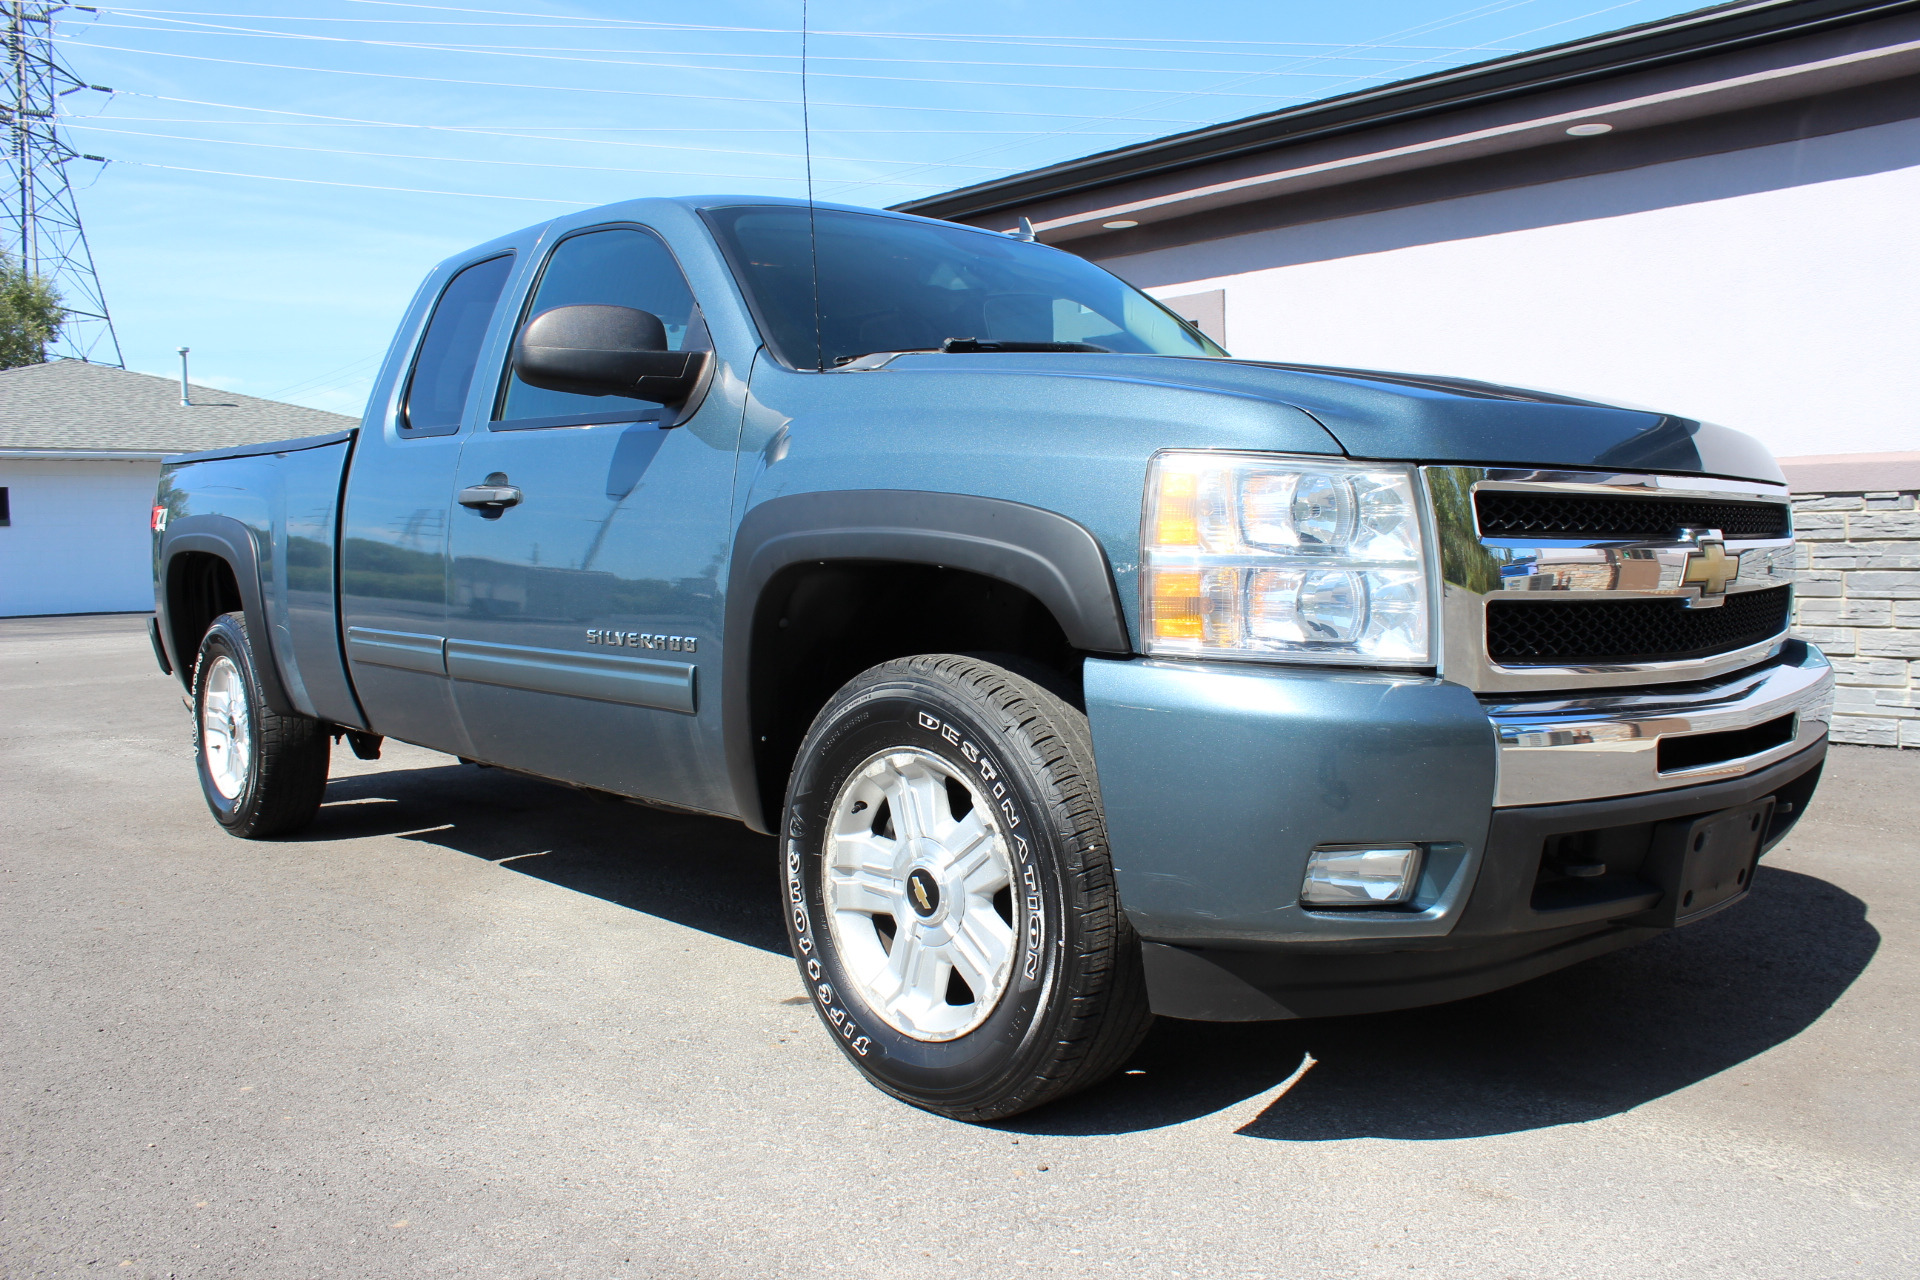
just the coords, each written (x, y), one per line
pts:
(1421, 418)
(1436, 419)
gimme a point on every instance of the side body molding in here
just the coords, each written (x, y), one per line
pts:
(1055, 559)
(227, 539)
(407, 650)
(604, 677)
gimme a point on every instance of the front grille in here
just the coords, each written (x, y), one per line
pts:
(1570, 515)
(1567, 632)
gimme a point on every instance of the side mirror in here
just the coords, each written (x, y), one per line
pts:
(600, 350)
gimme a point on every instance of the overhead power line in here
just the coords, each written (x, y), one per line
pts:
(649, 25)
(1482, 10)
(524, 164)
(345, 375)
(77, 123)
(578, 88)
(551, 53)
(1118, 44)
(315, 120)
(1453, 19)
(361, 186)
(347, 122)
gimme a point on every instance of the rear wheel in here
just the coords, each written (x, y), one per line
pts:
(951, 902)
(262, 773)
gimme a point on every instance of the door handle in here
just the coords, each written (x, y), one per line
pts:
(493, 497)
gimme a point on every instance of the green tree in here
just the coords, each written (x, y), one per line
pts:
(30, 315)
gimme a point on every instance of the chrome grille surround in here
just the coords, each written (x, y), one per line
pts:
(1475, 570)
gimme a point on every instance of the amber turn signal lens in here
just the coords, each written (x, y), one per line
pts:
(1177, 607)
(1176, 522)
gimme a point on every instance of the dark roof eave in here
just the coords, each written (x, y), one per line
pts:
(1691, 35)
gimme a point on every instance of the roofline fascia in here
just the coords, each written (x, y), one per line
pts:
(1597, 58)
(12, 454)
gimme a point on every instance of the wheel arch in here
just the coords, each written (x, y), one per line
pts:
(1040, 580)
(210, 565)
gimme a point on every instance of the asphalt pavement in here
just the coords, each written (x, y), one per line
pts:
(471, 1024)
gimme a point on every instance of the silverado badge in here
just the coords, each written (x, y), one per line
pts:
(643, 640)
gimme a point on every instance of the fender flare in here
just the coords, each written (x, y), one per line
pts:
(1055, 559)
(224, 538)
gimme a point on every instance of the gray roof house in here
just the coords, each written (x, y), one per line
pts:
(80, 451)
(70, 408)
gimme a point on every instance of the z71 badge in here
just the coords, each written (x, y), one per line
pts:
(643, 640)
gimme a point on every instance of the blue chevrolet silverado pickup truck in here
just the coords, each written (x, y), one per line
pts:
(1083, 672)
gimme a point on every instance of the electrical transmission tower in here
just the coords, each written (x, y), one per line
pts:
(37, 211)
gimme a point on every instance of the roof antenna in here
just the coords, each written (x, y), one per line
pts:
(1024, 231)
(185, 399)
(813, 236)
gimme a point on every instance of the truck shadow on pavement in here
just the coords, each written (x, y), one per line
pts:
(1587, 1042)
(706, 873)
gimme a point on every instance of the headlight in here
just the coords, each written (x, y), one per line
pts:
(1247, 555)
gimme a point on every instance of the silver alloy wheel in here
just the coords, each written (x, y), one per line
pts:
(226, 736)
(917, 895)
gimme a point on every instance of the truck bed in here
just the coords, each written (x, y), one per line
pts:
(278, 506)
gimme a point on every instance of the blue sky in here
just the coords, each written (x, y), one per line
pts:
(282, 173)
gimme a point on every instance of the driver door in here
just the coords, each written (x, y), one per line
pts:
(583, 619)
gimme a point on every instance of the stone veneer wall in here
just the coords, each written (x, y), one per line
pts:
(1857, 593)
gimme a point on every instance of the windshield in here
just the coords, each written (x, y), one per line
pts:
(890, 284)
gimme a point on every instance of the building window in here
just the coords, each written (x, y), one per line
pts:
(6, 509)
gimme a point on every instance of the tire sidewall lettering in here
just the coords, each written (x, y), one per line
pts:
(1030, 929)
(804, 942)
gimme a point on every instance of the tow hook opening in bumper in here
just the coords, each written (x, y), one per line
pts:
(1698, 750)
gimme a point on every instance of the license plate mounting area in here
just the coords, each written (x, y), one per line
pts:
(1705, 863)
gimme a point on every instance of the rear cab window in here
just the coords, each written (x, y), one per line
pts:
(436, 394)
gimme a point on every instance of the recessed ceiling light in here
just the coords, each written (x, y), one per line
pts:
(1593, 130)
(1120, 224)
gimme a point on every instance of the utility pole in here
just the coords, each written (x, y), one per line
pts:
(38, 214)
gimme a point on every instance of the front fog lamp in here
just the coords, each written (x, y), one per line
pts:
(1248, 555)
(1361, 875)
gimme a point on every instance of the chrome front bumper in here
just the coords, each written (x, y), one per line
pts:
(1590, 748)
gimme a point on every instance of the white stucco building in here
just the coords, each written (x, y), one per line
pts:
(80, 451)
(1713, 214)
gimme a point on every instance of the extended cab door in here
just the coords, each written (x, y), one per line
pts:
(393, 535)
(583, 627)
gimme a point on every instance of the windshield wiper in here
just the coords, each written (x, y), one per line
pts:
(884, 351)
(967, 345)
(974, 346)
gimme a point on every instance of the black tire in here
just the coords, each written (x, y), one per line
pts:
(1074, 1004)
(285, 757)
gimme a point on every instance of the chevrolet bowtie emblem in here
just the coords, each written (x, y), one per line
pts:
(1710, 568)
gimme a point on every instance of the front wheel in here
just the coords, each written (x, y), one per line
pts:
(263, 774)
(950, 899)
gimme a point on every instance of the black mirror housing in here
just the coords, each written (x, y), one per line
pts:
(598, 350)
